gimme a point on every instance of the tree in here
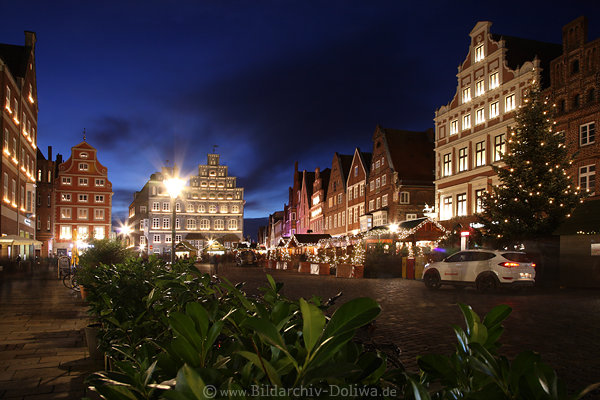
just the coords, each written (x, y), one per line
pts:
(535, 194)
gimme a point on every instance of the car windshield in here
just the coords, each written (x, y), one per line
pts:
(517, 257)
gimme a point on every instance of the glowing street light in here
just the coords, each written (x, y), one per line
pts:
(394, 228)
(174, 186)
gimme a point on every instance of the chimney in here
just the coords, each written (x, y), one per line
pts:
(30, 39)
(49, 153)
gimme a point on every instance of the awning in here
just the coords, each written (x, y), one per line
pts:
(195, 236)
(14, 240)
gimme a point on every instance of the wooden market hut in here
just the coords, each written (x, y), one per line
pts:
(305, 243)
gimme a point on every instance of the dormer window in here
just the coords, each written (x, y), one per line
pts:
(83, 166)
(479, 55)
(83, 155)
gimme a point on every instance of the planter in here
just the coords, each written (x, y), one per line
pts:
(304, 267)
(91, 338)
(350, 271)
(319, 269)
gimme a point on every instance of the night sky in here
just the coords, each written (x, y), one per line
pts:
(269, 82)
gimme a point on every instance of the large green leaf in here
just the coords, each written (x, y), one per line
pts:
(184, 326)
(352, 315)
(266, 330)
(496, 315)
(314, 321)
(199, 315)
(190, 383)
(263, 365)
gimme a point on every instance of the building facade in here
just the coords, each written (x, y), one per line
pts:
(47, 170)
(335, 210)
(318, 200)
(400, 180)
(290, 210)
(83, 199)
(304, 202)
(210, 207)
(574, 90)
(471, 130)
(357, 194)
(18, 126)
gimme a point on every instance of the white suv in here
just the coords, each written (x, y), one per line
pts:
(485, 269)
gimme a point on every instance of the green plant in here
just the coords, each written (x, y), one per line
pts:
(104, 251)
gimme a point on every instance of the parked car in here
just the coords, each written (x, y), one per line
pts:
(484, 269)
(246, 257)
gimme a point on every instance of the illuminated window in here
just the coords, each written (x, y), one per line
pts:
(177, 224)
(383, 180)
(201, 208)
(190, 224)
(479, 200)
(155, 223)
(509, 103)
(479, 116)
(587, 134)
(6, 141)
(494, 112)
(447, 164)
(479, 154)
(223, 208)
(166, 223)
(454, 127)
(204, 224)
(82, 213)
(65, 213)
(219, 224)
(232, 225)
(156, 239)
(166, 206)
(190, 208)
(499, 147)
(494, 82)
(371, 205)
(479, 88)
(587, 178)
(466, 122)
(99, 213)
(479, 54)
(83, 155)
(156, 206)
(384, 200)
(356, 170)
(466, 95)
(177, 207)
(447, 207)
(7, 100)
(99, 232)
(462, 159)
(167, 238)
(461, 204)
(212, 209)
(65, 232)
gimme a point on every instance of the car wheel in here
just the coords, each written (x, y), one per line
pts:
(486, 283)
(432, 280)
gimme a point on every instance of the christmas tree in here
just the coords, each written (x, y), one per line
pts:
(535, 193)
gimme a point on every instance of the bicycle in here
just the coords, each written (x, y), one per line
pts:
(70, 279)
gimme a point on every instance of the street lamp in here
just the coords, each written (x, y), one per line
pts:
(174, 186)
(125, 230)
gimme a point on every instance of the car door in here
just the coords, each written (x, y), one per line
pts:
(455, 265)
(478, 261)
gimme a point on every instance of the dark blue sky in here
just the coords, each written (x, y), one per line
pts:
(269, 82)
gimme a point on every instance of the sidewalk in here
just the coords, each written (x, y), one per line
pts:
(42, 349)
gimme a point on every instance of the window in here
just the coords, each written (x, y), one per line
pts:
(371, 205)
(204, 224)
(83, 198)
(65, 213)
(404, 197)
(494, 112)
(587, 178)
(377, 163)
(378, 203)
(99, 198)
(223, 208)
(177, 207)
(48, 224)
(177, 224)
(362, 209)
(99, 232)
(142, 209)
(384, 200)
(462, 159)
(479, 55)
(82, 213)
(190, 208)
(494, 82)
(65, 197)
(339, 198)
(587, 134)
(235, 209)
(343, 218)
(219, 225)
(99, 213)
(166, 206)
(66, 180)
(166, 223)
(479, 116)
(383, 179)
(100, 182)
(479, 200)
(6, 187)
(377, 183)
(372, 185)
(447, 165)
(178, 238)
(39, 224)
(7, 99)
(83, 166)
(6, 141)
(156, 206)
(83, 181)
(83, 154)
(411, 216)
(479, 88)
(155, 223)
(499, 147)
(156, 239)
(65, 232)
(479, 154)
(212, 208)
(509, 103)
(454, 127)
(14, 193)
(466, 95)
(167, 238)
(447, 207)
(190, 224)
(356, 170)
(461, 204)
(466, 122)
(362, 189)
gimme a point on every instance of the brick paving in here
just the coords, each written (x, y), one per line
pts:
(42, 349)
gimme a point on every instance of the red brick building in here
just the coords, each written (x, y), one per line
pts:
(47, 171)
(290, 210)
(18, 126)
(400, 181)
(304, 201)
(575, 83)
(356, 191)
(318, 200)
(83, 196)
(335, 211)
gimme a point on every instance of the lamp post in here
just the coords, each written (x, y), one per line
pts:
(174, 186)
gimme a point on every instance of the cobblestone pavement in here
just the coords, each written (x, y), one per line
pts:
(42, 349)
(562, 325)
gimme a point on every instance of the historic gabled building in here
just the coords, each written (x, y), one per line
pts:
(357, 195)
(400, 180)
(290, 210)
(318, 200)
(304, 201)
(335, 211)
(18, 126)
(47, 170)
(274, 229)
(471, 130)
(210, 207)
(83, 199)
(575, 91)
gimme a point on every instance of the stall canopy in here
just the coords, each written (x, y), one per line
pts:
(420, 229)
(14, 240)
(306, 239)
